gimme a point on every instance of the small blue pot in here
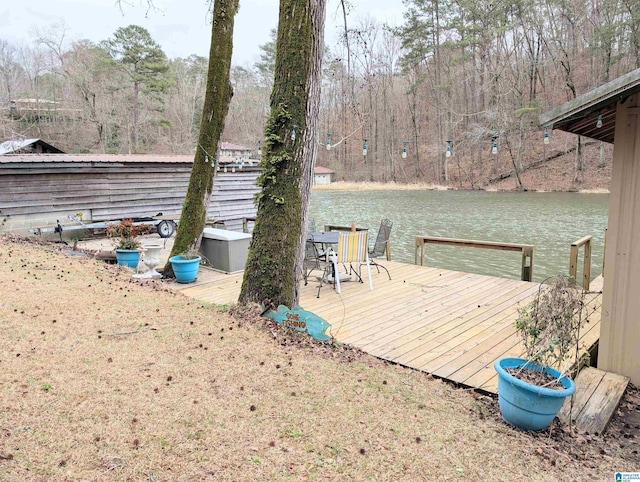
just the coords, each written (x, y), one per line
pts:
(128, 257)
(526, 406)
(185, 269)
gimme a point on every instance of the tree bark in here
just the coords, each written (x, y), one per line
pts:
(578, 175)
(274, 265)
(136, 114)
(216, 104)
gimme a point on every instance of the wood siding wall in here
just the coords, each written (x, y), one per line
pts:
(106, 191)
(619, 349)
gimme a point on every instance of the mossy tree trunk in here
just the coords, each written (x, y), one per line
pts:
(216, 104)
(274, 265)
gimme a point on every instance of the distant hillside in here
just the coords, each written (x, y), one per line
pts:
(553, 169)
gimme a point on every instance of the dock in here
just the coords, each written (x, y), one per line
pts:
(451, 324)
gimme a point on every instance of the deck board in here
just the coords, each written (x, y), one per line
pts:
(598, 394)
(448, 323)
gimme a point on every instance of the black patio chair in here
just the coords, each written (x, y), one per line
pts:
(313, 259)
(381, 246)
(311, 226)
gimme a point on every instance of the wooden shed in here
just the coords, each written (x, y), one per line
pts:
(38, 189)
(610, 113)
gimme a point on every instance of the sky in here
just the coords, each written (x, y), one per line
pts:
(181, 27)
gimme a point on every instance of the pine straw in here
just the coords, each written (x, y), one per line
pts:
(108, 379)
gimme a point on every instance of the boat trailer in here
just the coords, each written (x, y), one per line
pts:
(165, 225)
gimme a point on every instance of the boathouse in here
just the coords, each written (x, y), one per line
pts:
(39, 189)
(610, 113)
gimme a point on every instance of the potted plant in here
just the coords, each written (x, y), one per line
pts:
(185, 266)
(127, 243)
(531, 391)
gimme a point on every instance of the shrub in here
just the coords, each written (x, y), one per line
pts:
(126, 233)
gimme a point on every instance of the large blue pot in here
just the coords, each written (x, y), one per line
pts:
(527, 406)
(128, 257)
(185, 269)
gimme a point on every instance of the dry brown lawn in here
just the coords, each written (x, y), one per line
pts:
(107, 379)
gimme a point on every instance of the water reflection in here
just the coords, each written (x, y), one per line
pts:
(549, 221)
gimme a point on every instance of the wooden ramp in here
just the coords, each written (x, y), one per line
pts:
(597, 396)
(451, 324)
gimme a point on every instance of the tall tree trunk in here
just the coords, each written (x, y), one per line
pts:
(374, 140)
(438, 87)
(516, 169)
(578, 176)
(274, 266)
(216, 104)
(136, 114)
(602, 157)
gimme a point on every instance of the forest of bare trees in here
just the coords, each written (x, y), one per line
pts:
(451, 97)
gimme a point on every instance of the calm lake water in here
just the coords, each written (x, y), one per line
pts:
(549, 221)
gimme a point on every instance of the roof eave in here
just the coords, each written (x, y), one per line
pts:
(580, 115)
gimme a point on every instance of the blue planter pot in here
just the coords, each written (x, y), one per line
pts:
(526, 406)
(128, 257)
(185, 269)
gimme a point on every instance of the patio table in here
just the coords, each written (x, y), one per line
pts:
(325, 238)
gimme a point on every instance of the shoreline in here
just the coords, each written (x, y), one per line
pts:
(393, 186)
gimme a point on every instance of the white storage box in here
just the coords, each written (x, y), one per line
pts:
(225, 250)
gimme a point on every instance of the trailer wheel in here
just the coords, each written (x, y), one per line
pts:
(166, 229)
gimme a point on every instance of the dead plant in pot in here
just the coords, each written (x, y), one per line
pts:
(531, 390)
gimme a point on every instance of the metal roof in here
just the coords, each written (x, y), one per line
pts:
(227, 146)
(14, 145)
(323, 170)
(597, 107)
(93, 158)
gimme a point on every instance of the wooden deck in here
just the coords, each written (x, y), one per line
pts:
(451, 324)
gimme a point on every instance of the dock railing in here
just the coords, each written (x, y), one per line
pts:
(573, 261)
(335, 227)
(525, 249)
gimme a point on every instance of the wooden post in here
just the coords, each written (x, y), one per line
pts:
(245, 223)
(419, 244)
(573, 261)
(586, 269)
(604, 252)
(527, 269)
